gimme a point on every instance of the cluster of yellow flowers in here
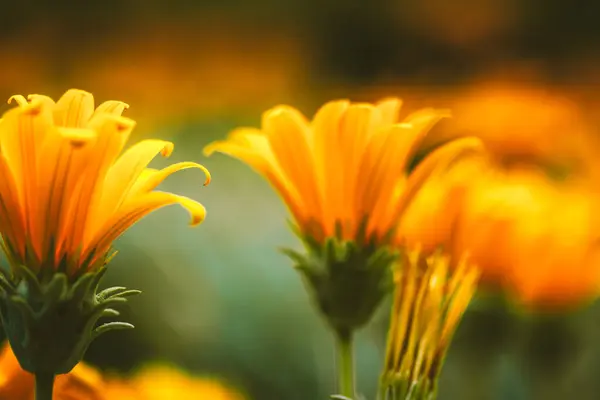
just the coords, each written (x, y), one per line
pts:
(489, 203)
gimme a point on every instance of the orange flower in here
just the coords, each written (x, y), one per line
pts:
(160, 382)
(86, 383)
(430, 220)
(536, 238)
(344, 168)
(66, 194)
(519, 124)
(82, 383)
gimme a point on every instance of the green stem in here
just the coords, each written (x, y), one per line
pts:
(44, 384)
(345, 363)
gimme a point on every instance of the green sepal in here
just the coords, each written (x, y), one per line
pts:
(50, 320)
(347, 279)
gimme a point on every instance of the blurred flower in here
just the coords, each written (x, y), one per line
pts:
(343, 177)
(157, 382)
(66, 195)
(429, 300)
(83, 383)
(538, 239)
(528, 215)
(524, 125)
(165, 382)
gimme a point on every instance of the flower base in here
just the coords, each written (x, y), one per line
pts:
(51, 322)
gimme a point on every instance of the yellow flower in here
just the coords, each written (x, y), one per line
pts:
(525, 124)
(165, 382)
(157, 382)
(83, 383)
(66, 192)
(344, 178)
(429, 301)
(342, 169)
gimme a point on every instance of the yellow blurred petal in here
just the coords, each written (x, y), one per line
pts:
(436, 161)
(112, 107)
(289, 136)
(356, 126)
(329, 159)
(19, 99)
(14, 382)
(74, 109)
(389, 109)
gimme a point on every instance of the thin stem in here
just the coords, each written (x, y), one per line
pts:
(345, 363)
(44, 384)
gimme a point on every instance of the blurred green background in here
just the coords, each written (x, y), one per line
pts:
(220, 299)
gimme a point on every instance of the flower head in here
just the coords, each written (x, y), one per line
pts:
(537, 239)
(429, 301)
(340, 170)
(344, 178)
(67, 191)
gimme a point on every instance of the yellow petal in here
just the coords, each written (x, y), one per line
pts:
(436, 161)
(356, 126)
(121, 176)
(289, 136)
(66, 152)
(151, 178)
(112, 107)
(23, 131)
(74, 109)
(389, 109)
(112, 133)
(250, 146)
(132, 211)
(329, 159)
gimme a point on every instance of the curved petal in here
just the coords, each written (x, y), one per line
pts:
(250, 146)
(132, 211)
(435, 162)
(113, 107)
(289, 134)
(74, 109)
(151, 178)
(125, 171)
(389, 109)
